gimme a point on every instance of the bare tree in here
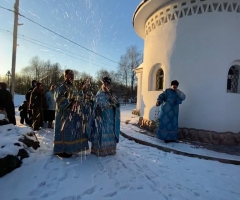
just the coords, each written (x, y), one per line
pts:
(35, 65)
(128, 62)
(135, 58)
(123, 69)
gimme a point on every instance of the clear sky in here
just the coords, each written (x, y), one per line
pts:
(103, 26)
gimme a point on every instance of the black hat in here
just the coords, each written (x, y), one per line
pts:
(34, 83)
(175, 82)
(67, 71)
(106, 80)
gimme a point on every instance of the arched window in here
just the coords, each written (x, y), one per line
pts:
(159, 79)
(232, 81)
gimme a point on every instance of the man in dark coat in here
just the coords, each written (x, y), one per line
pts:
(37, 103)
(28, 95)
(6, 103)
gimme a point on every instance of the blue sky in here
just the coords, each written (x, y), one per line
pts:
(103, 26)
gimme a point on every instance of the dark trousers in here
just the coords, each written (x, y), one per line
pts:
(24, 118)
(30, 117)
(37, 118)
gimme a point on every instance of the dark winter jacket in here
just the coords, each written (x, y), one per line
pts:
(23, 109)
(6, 103)
(37, 99)
(28, 95)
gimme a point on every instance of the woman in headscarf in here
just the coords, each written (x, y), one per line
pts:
(104, 127)
(49, 113)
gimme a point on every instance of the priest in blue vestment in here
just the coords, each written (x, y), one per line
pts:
(72, 117)
(104, 125)
(168, 120)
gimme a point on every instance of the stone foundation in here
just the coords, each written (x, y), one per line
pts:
(190, 134)
(136, 112)
(212, 137)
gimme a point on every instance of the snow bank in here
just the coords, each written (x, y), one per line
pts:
(10, 135)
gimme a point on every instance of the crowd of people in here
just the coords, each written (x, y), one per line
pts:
(80, 117)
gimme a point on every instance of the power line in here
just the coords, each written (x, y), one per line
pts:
(60, 35)
(50, 45)
(54, 50)
(7, 9)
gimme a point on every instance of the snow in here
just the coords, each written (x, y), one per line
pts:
(134, 132)
(18, 99)
(2, 116)
(135, 172)
(9, 135)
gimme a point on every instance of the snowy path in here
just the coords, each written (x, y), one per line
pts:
(135, 172)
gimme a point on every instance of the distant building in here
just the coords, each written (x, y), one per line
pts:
(196, 42)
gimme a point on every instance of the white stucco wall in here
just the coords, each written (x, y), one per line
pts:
(139, 89)
(198, 51)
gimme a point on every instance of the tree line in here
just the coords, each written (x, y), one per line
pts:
(123, 78)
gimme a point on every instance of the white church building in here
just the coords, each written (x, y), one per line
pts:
(196, 42)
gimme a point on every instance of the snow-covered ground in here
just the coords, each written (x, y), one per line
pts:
(135, 172)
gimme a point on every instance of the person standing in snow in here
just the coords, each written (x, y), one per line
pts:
(70, 123)
(27, 97)
(104, 125)
(37, 103)
(168, 120)
(6, 103)
(49, 115)
(23, 112)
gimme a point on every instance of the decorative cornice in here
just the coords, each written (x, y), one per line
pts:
(182, 9)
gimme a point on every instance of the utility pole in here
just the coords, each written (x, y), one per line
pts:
(14, 51)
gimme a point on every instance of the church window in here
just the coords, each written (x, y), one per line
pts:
(234, 6)
(238, 9)
(159, 79)
(233, 80)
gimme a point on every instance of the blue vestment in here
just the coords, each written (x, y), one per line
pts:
(70, 124)
(168, 120)
(104, 125)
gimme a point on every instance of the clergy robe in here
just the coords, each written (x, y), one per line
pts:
(70, 124)
(104, 125)
(168, 120)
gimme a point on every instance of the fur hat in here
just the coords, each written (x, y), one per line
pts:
(34, 83)
(175, 82)
(106, 80)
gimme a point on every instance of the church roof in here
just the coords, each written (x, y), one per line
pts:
(139, 68)
(144, 10)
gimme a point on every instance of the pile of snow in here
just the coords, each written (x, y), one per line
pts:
(9, 137)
